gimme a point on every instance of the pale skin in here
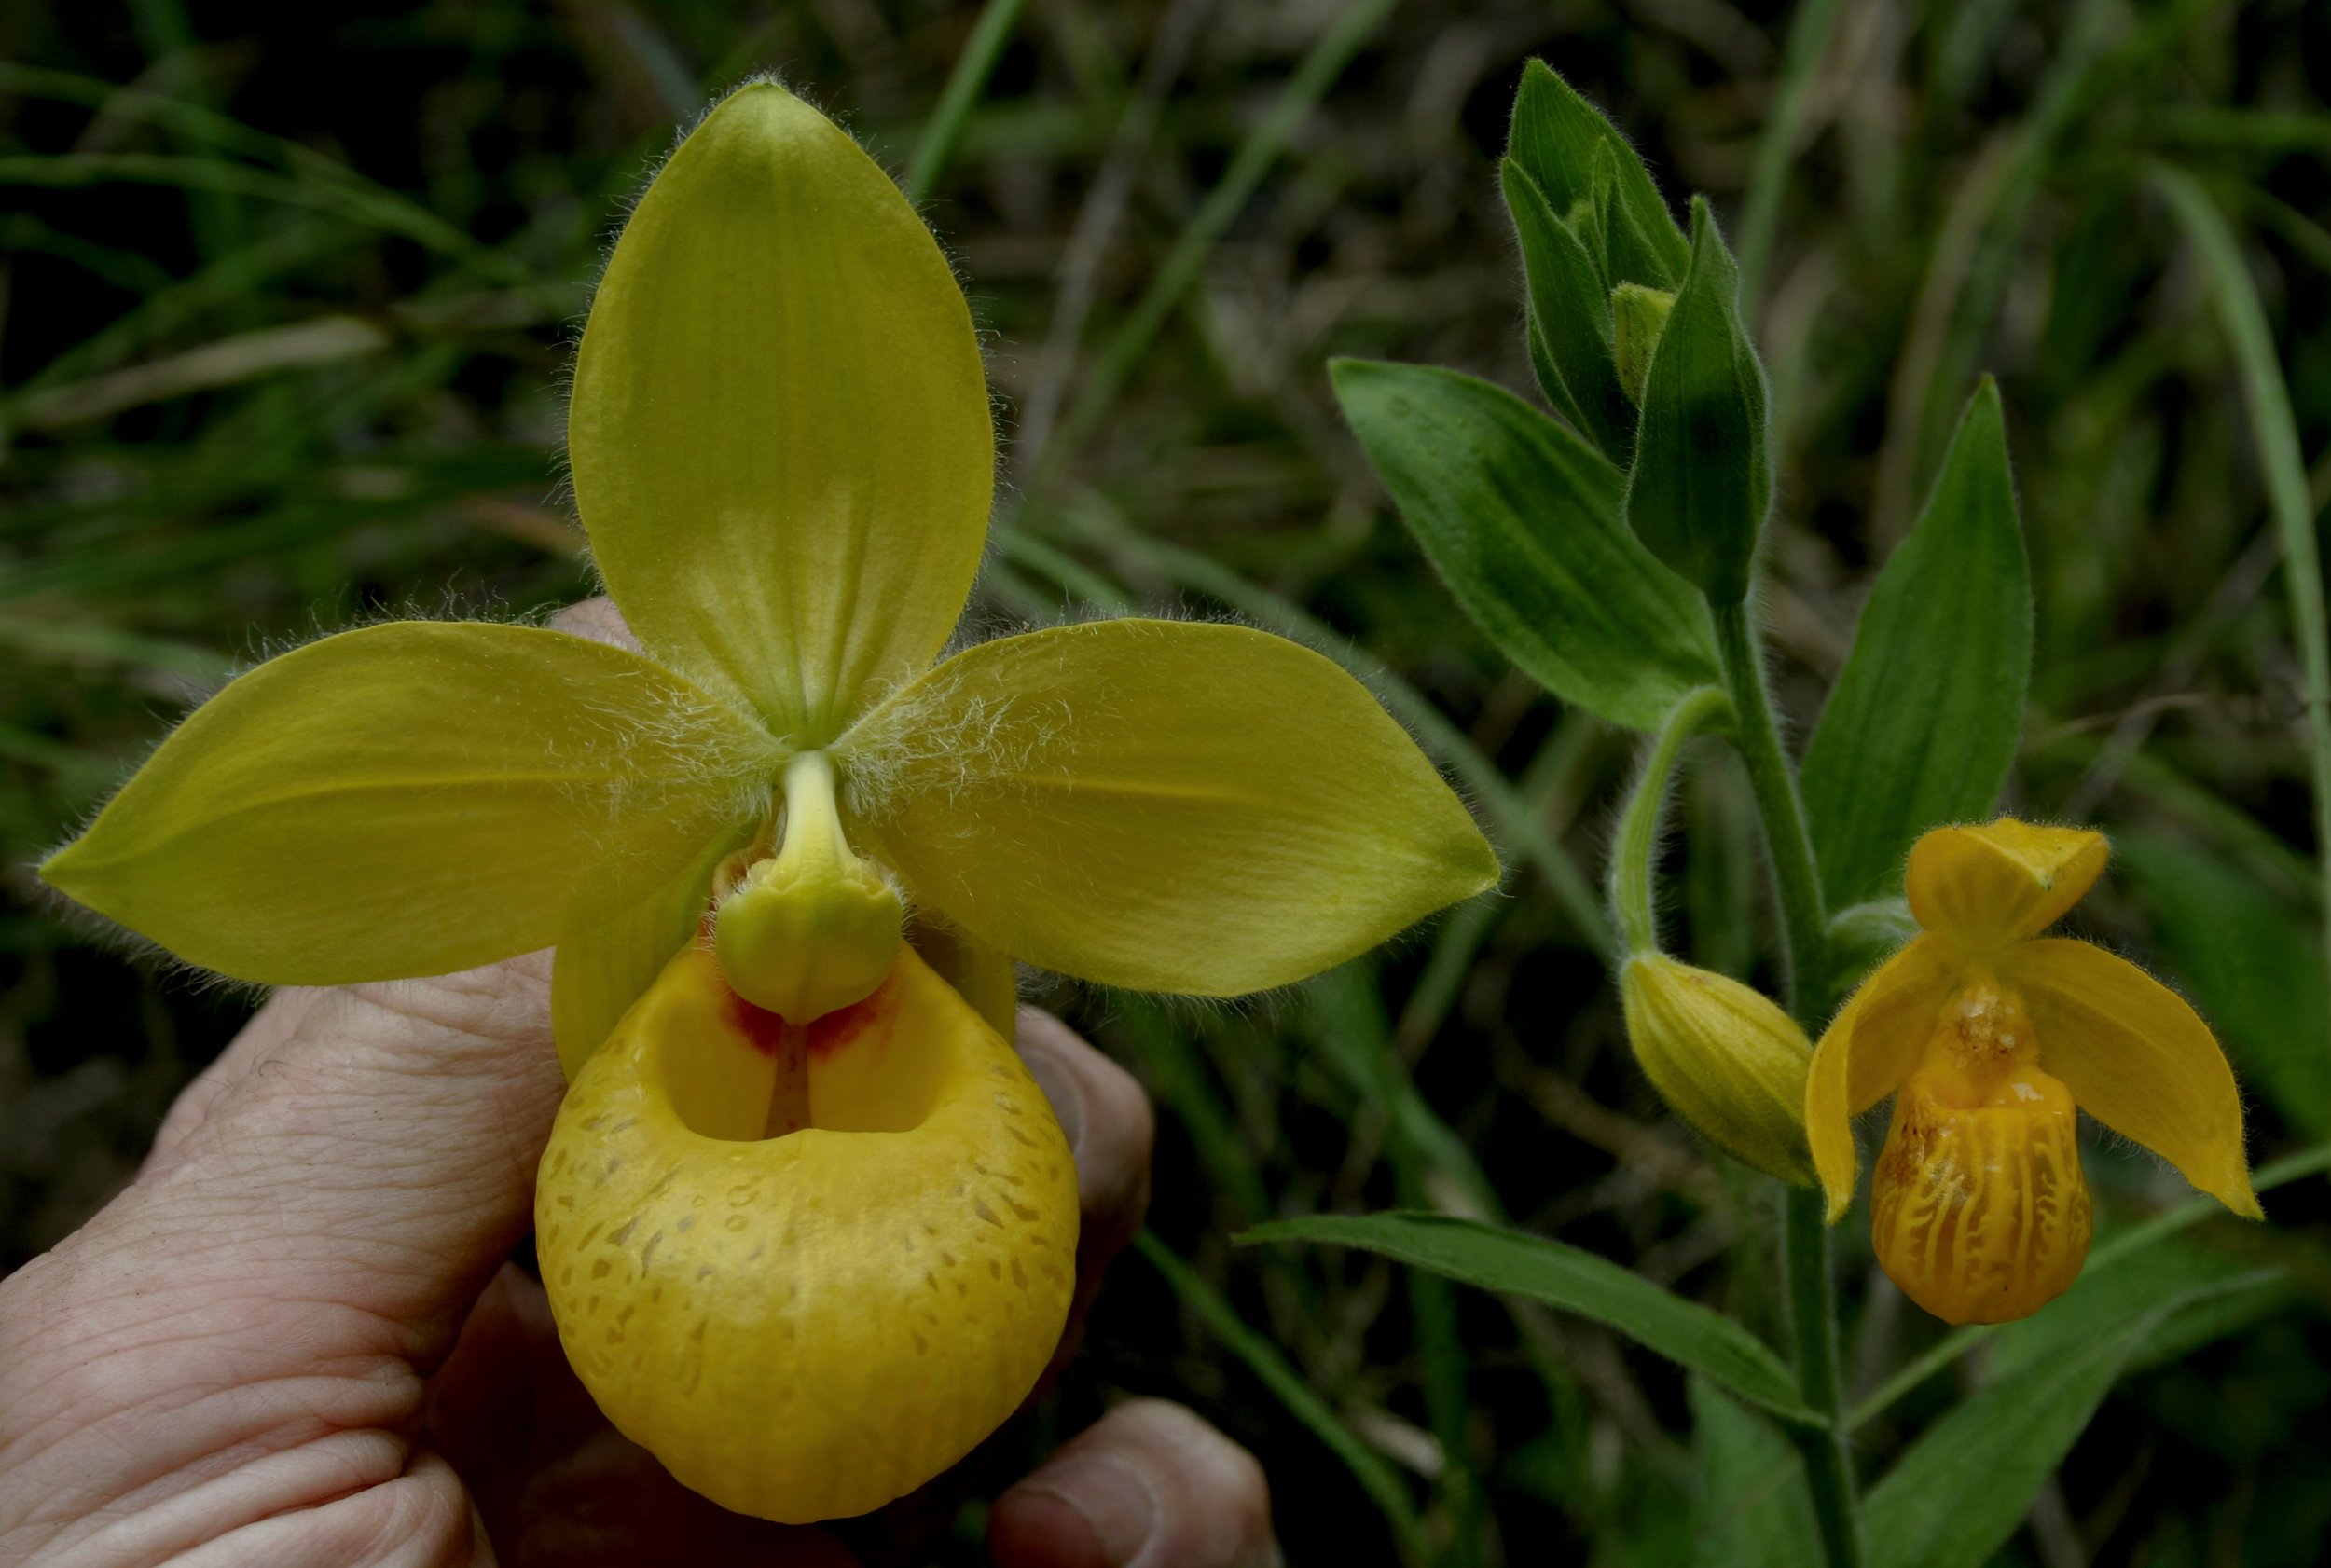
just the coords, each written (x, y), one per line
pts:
(296, 1338)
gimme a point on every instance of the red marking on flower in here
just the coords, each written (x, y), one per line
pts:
(759, 1028)
(846, 1026)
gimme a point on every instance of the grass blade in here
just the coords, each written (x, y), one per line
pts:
(1264, 1360)
(2275, 432)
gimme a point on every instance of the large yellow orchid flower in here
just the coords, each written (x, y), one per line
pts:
(1990, 1035)
(806, 1225)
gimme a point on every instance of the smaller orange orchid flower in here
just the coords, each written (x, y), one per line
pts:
(1990, 1035)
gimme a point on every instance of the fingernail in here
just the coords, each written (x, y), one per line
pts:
(1111, 1496)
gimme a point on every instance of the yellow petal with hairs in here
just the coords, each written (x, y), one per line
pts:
(781, 444)
(2138, 1059)
(413, 799)
(1195, 808)
(809, 1324)
(1986, 887)
(1725, 1057)
(1868, 1049)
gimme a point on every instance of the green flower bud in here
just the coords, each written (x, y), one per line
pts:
(1725, 1058)
(1636, 314)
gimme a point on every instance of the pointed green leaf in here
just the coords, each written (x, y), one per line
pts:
(1570, 313)
(1702, 476)
(1555, 136)
(1749, 1508)
(1922, 726)
(1512, 1264)
(2207, 1292)
(1521, 516)
(1960, 1491)
(1633, 236)
(1542, 368)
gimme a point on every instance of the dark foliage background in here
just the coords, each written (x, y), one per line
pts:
(288, 297)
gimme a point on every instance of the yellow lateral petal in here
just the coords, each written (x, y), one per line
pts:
(2138, 1059)
(1867, 1052)
(806, 1327)
(1195, 808)
(779, 431)
(411, 799)
(604, 965)
(1986, 887)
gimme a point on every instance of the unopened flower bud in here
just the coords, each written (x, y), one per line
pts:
(816, 926)
(1636, 316)
(1725, 1058)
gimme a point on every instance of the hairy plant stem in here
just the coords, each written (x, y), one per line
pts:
(1812, 1321)
(1805, 935)
(1805, 920)
(1639, 822)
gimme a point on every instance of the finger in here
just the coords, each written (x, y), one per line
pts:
(1112, 1131)
(598, 620)
(273, 1296)
(267, 1030)
(1110, 1126)
(1149, 1486)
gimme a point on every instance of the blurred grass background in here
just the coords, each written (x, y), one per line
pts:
(288, 297)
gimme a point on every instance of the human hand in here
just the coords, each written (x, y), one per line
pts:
(296, 1338)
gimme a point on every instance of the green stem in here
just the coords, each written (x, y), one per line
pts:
(1804, 919)
(1805, 930)
(1812, 1321)
(1639, 822)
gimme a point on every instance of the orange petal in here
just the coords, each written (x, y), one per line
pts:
(1871, 1048)
(1987, 886)
(2138, 1059)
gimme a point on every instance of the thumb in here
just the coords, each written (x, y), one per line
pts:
(276, 1285)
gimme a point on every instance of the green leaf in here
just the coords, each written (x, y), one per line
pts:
(2251, 962)
(2192, 1293)
(1521, 516)
(1921, 728)
(1633, 236)
(1749, 1509)
(1702, 476)
(1556, 136)
(1964, 1487)
(1512, 1263)
(1571, 316)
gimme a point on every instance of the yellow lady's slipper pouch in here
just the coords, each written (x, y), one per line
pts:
(807, 1227)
